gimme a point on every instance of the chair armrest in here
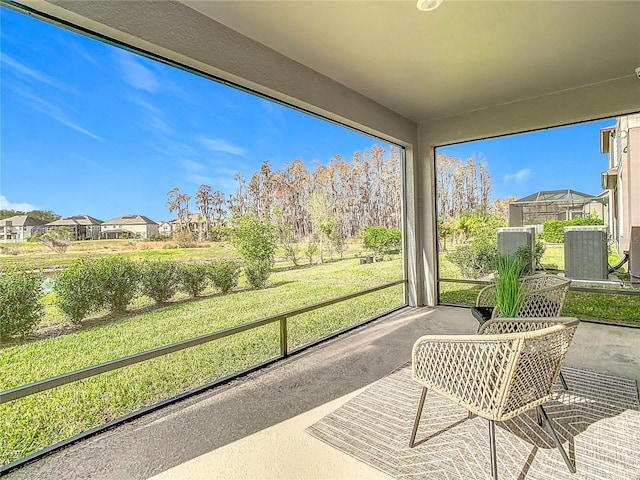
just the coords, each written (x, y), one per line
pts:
(486, 297)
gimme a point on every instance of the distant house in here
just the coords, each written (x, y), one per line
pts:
(83, 226)
(165, 228)
(129, 226)
(599, 206)
(622, 180)
(195, 222)
(539, 207)
(20, 227)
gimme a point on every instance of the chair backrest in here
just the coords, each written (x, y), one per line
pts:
(540, 354)
(544, 296)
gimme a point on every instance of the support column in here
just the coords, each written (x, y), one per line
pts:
(421, 224)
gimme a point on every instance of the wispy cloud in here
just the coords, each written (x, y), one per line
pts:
(145, 104)
(81, 51)
(172, 149)
(136, 74)
(274, 111)
(196, 173)
(273, 123)
(518, 177)
(21, 206)
(156, 118)
(220, 145)
(193, 166)
(53, 111)
(22, 71)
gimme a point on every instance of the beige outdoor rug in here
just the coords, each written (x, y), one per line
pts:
(598, 421)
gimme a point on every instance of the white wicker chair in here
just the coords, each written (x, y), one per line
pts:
(511, 367)
(544, 296)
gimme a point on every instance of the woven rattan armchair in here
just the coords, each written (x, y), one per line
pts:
(544, 296)
(509, 368)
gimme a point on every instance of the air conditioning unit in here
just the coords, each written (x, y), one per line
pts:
(510, 239)
(586, 252)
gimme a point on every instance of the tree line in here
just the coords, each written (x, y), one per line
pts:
(46, 215)
(333, 200)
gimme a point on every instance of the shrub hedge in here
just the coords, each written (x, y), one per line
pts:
(224, 274)
(20, 307)
(159, 279)
(193, 278)
(77, 290)
(111, 283)
(118, 280)
(257, 272)
(475, 258)
(553, 230)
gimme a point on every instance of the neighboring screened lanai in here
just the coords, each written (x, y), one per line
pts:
(539, 207)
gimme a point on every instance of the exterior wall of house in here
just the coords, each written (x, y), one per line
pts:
(13, 234)
(152, 229)
(23, 233)
(624, 157)
(165, 228)
(18, 233)
(598, 209)
(93, 231)
(139, 230)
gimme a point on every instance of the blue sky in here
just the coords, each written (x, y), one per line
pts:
(554, 159)
(88, 128)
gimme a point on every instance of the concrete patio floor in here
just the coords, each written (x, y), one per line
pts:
(253, 428)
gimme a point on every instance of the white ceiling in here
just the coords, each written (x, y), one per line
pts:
(464, 56)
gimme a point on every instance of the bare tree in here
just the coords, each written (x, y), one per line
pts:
(461, 186)
(500, 207)
(361, 192)
(321, 216)
(204, 201)
(179, 202)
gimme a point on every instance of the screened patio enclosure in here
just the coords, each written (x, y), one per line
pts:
(539, 207)
(465, 71)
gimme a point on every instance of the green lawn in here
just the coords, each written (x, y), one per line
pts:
(32, 423)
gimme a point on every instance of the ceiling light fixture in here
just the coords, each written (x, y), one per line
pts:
(428, 5)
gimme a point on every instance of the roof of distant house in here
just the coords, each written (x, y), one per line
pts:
(556, 196)
(191, 218)
(130, 220)
(75, 220)
(23, 221)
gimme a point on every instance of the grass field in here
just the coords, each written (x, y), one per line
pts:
(32, 423)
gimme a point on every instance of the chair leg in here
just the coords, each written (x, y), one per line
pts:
(556, 440)
(539, 418)
(416, 422)
(492, 450)
(564, 382)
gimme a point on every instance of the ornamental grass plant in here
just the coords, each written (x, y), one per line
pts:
(509, 289)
